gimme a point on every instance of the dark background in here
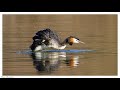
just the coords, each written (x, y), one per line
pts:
(59, 6)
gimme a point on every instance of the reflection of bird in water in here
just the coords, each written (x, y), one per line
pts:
(48, 39)
(45, 61)
(51, 61)
(73, 61)
(46, 65)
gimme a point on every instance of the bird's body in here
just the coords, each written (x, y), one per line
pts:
(48, 39)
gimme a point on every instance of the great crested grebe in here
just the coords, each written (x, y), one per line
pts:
(48, 39)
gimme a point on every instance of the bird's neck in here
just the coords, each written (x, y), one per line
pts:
(64, 42)
(62, 47)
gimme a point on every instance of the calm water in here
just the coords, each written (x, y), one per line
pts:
(99, 32)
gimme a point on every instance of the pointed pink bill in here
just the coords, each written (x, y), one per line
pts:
(81, 42)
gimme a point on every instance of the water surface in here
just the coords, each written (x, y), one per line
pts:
(99, 32)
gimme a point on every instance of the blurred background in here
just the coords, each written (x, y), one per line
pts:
(99, 32)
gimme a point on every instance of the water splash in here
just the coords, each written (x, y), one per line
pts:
(28, 52)
(70, 51)
(67, 51)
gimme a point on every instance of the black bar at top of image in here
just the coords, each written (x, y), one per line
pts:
(60, 6)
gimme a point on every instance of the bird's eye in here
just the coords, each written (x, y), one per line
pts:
(76, 40)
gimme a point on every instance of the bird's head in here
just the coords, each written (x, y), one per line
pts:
(70, 40)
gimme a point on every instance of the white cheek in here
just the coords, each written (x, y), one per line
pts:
(76, 41)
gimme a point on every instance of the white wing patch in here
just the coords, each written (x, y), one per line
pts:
(43, 40)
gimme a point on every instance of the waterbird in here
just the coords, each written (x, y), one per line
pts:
(47, 38)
